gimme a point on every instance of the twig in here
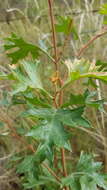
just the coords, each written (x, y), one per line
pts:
(54, 42)
(57, 78)
(51, 172)
(62, 149)
(53, 32)
(81, 51)
(64, 162)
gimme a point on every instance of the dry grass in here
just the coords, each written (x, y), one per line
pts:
(36, 26)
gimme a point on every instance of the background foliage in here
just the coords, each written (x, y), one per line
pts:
(32, 22)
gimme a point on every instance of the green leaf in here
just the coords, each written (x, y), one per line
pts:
(4, 76)
(44, 113)
(87, 183)
(48, 179)
(102, 64)
(1, 124)
(32, 184)
(87, 164)
(21, 49)
(4, 101)
(73, 118)
(85, 99)
(96, 104)
(44, 150)
(72, 182)
(98, 75)
(17, 100)
(82, 68)
(26, 165)
(27, 77)
(86, 176)
(77, 99)
(105, 19)
(70, 117)
(99, 179)
(103, 9)
(43, 180)
(32, 70)
(24, 48)
(52, 132)
(93, 181)
(31, 171)
(65, 25)
(39, 132)
(15, 158)
(37, 101)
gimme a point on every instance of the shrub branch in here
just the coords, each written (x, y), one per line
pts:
(53, 32)
(83, 49)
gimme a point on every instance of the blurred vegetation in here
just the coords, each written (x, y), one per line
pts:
(30, 19)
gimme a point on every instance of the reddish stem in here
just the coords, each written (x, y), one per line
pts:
(64, 162)
(62, 149)
(53, 32)
(56, 66)
(81, 51)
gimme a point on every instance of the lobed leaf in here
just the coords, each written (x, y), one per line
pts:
(86, 175)
(73, 117)
(23, 50)
(27, 76)
(82, 68)
(85, 99)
